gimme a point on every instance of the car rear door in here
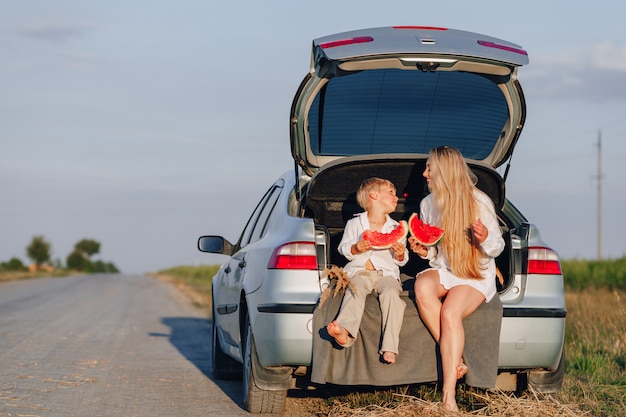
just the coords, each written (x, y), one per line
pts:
(235, 272)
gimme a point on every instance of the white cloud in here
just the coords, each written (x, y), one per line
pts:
(53, 31)
(608, 56)
(593, 73)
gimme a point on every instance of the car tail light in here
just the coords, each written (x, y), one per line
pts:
(420, 27)
(343, 42)
(542, 260)
(503, 47)
(294, 255)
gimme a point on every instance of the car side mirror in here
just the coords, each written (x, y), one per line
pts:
(215, 244)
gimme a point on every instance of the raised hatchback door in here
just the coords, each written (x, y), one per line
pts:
(404, 90)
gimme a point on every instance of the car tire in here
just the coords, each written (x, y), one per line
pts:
(548, 382)
(255, 399)
(224, 367)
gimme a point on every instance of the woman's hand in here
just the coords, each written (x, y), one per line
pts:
(418, 248)
(480, 231)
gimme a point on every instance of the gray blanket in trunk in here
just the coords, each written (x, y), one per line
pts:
(418, 360)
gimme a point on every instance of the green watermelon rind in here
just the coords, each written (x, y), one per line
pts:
(387, 236)
(420, 237)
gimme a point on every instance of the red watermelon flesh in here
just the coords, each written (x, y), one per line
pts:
(381, 240)
(424, 233)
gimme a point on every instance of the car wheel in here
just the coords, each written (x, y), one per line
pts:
(548, 382)
(257, 400)
(224, 367)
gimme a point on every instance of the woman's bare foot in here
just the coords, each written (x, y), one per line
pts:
(451, 408)
(340, 334)
(449, 404)
(389, 357)
(461, 370)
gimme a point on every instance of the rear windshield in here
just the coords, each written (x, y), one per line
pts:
(399, 111)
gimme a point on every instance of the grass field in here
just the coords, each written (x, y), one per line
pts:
(595, 349)
(15, 275)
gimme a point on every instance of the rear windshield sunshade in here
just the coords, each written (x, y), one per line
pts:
(399, 111)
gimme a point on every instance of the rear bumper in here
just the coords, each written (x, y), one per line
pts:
(281, 316)
(531, 338)
(283, 334)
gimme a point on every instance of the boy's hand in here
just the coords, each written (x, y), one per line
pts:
(398, 250)
(418, 248)
(362, 246)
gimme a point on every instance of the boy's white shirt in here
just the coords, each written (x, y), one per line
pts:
(382, 259)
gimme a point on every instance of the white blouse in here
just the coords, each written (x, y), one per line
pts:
(491, 247)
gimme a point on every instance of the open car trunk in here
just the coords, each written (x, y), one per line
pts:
(330, 199)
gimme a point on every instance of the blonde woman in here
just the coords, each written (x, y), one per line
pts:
(462, 269)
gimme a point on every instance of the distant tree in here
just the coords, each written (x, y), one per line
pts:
(77, 261)
(80, 258)
(38, 251)
(88, 246)
(13, 264)
(104, 267)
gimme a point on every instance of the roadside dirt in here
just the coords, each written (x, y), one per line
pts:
(198, 299)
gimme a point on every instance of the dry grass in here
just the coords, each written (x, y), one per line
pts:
(595, 346)
(18, 275)
(342, 282)
(425, 401)
(488, 404)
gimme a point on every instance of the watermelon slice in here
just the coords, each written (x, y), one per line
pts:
(425, 234)
(381, 240)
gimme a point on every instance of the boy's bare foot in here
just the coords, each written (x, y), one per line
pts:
(389, 357)
(340, 334)
(461, 370)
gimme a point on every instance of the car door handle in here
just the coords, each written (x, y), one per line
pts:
(242, 264)
(227, 270)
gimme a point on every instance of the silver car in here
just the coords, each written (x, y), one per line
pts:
(374, 102)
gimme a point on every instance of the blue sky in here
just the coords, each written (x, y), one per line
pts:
(143, 124)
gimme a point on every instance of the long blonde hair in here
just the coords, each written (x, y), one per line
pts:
(452, 184)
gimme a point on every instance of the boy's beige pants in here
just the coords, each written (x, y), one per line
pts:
(391, 306)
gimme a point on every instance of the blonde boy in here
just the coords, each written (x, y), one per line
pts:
(372, 270)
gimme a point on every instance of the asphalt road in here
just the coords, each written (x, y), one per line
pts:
(107, 345)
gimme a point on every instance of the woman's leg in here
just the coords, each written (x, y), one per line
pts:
(460, 302)
(428, 293)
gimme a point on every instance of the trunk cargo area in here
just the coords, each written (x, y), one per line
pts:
(330, 199)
